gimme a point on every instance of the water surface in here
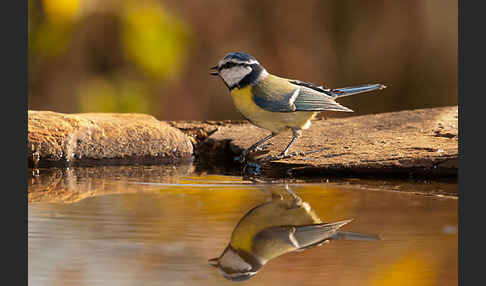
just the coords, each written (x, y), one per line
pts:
(147, 226)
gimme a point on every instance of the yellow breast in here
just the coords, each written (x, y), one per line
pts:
(243, 100)
(273, 121)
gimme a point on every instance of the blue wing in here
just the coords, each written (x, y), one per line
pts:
(318, 98)
(274, 101)
(340, 92)
(296, 236)
(309, 85)
(315, 98)
(312, 100)
(290, 98)
(282, 95)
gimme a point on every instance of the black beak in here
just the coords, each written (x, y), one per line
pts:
(214, 262)
(214, 72)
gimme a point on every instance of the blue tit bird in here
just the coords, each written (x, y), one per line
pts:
(275, 103)
(274, 228)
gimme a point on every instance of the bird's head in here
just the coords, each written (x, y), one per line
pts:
(236, 265)
(239, 70)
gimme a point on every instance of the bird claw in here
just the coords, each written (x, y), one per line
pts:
(289, 155)
(282, 156)
(297, 153)
(245, 154)
(262, 148)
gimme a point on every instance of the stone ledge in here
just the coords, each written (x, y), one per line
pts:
(423, 141)
(57, 139)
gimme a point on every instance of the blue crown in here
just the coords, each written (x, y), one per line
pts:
(239, 56)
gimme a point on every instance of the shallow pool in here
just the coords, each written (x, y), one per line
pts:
(160, 226)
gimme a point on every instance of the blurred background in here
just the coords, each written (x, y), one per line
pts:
(153, 56)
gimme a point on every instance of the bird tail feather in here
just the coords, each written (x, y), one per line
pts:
(311, 235)
(346, 235)
(347, 91)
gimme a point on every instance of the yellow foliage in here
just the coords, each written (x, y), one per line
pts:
(53, 39)
(62, 10)
(123, 95)
(153, 39)
(97, 95)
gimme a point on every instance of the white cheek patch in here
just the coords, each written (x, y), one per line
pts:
(234, 75)
(232, 260)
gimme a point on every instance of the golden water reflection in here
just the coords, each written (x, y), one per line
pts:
(282, 225)
(164, 234)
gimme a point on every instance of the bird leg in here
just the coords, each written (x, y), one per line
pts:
(260, 142)
(285, 153)
(296, 133)
(297, 201)
(254, 147)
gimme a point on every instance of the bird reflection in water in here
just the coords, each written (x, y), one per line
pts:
(273, 228)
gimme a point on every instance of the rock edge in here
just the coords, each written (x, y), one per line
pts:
(57, 139)
(421, 141)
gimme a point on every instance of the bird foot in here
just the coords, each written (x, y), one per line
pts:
(289, 155)
(262, 148)
(282, 156)
(244, 155)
